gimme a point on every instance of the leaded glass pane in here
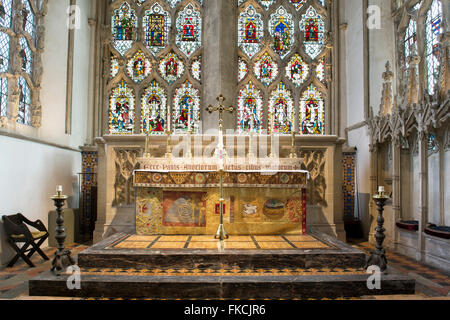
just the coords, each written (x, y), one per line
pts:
(433, 29)
(243, 69)
(28, 18)
(196, 68)
(5, 13)
(320, 71)
(3, 96)
(313, 28)
(114, 67)
(250, 31)
(24, 112)
(281, 28)
(266, 69)
(312, 117)
(250, 109)
(25, 56)
(296, 70)
(266, 3)
(281, 110)
(186, 113)
(4, 51)
(124, 24)
(139, 67)
(298, 4)
(410, 42)
(121, 110)
(189, 30)
(171, 67)
(156, 25)
(154, 110)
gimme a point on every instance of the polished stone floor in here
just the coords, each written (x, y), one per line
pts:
(431, 283)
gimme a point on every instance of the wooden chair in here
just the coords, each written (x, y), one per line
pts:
(17, 232)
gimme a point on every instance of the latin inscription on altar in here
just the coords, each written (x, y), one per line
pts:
(181, 196)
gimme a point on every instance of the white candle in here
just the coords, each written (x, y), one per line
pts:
(59, 189)
(381, 189)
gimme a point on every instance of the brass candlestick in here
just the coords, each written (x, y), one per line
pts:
(293, 154)
(221, 233)
(378, 256)
(62, 258)
(168, 150)
(147, 147)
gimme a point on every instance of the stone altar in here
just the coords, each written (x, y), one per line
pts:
(181, 196)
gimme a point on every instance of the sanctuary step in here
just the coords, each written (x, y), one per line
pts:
(246, 267)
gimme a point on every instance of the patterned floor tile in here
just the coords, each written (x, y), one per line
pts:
(173, 238)
(132, 245)
(274, 245)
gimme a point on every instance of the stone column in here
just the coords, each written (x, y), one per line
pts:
(101, 190)
(220, 60)
(423, 196)
(396, 188)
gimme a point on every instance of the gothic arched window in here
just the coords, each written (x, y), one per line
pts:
(18, 37)
(432, 31)
(410, 42)
(282, 66)
(160, 65)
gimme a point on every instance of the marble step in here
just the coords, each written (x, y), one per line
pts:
(133, 284)
(104, 255)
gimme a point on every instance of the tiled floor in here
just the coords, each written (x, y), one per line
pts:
(431, 282)
(287, 242)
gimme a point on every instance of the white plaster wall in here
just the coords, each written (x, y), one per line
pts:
(354, 61)
(381, 50)
(30, 171)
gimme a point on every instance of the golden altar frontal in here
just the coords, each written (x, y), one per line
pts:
(181, 196)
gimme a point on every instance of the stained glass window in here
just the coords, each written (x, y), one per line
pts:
(296, 70)
(27, 17)
(154, 109)
(4, 51)
(173, 3)
(281, 28)
(432, 144)
(171, 67)
(114, 67)
(312, 117)
(320, 71)
(121, 110)
(196, 68)
(189, 30)
(156, 25)
(266, 70)
(250, 109)
(250, 31)
(243, 69)
(433, 29)
(25, 56)
(124, 24)
(313, 28)
(281, 110)
(266, 3)
(410, 42)
(3, 96)
(24, 114)
(139, 67)
(5, 13)
(186, 109)
(298, 4)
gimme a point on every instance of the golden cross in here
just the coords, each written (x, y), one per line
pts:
(221, 109)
